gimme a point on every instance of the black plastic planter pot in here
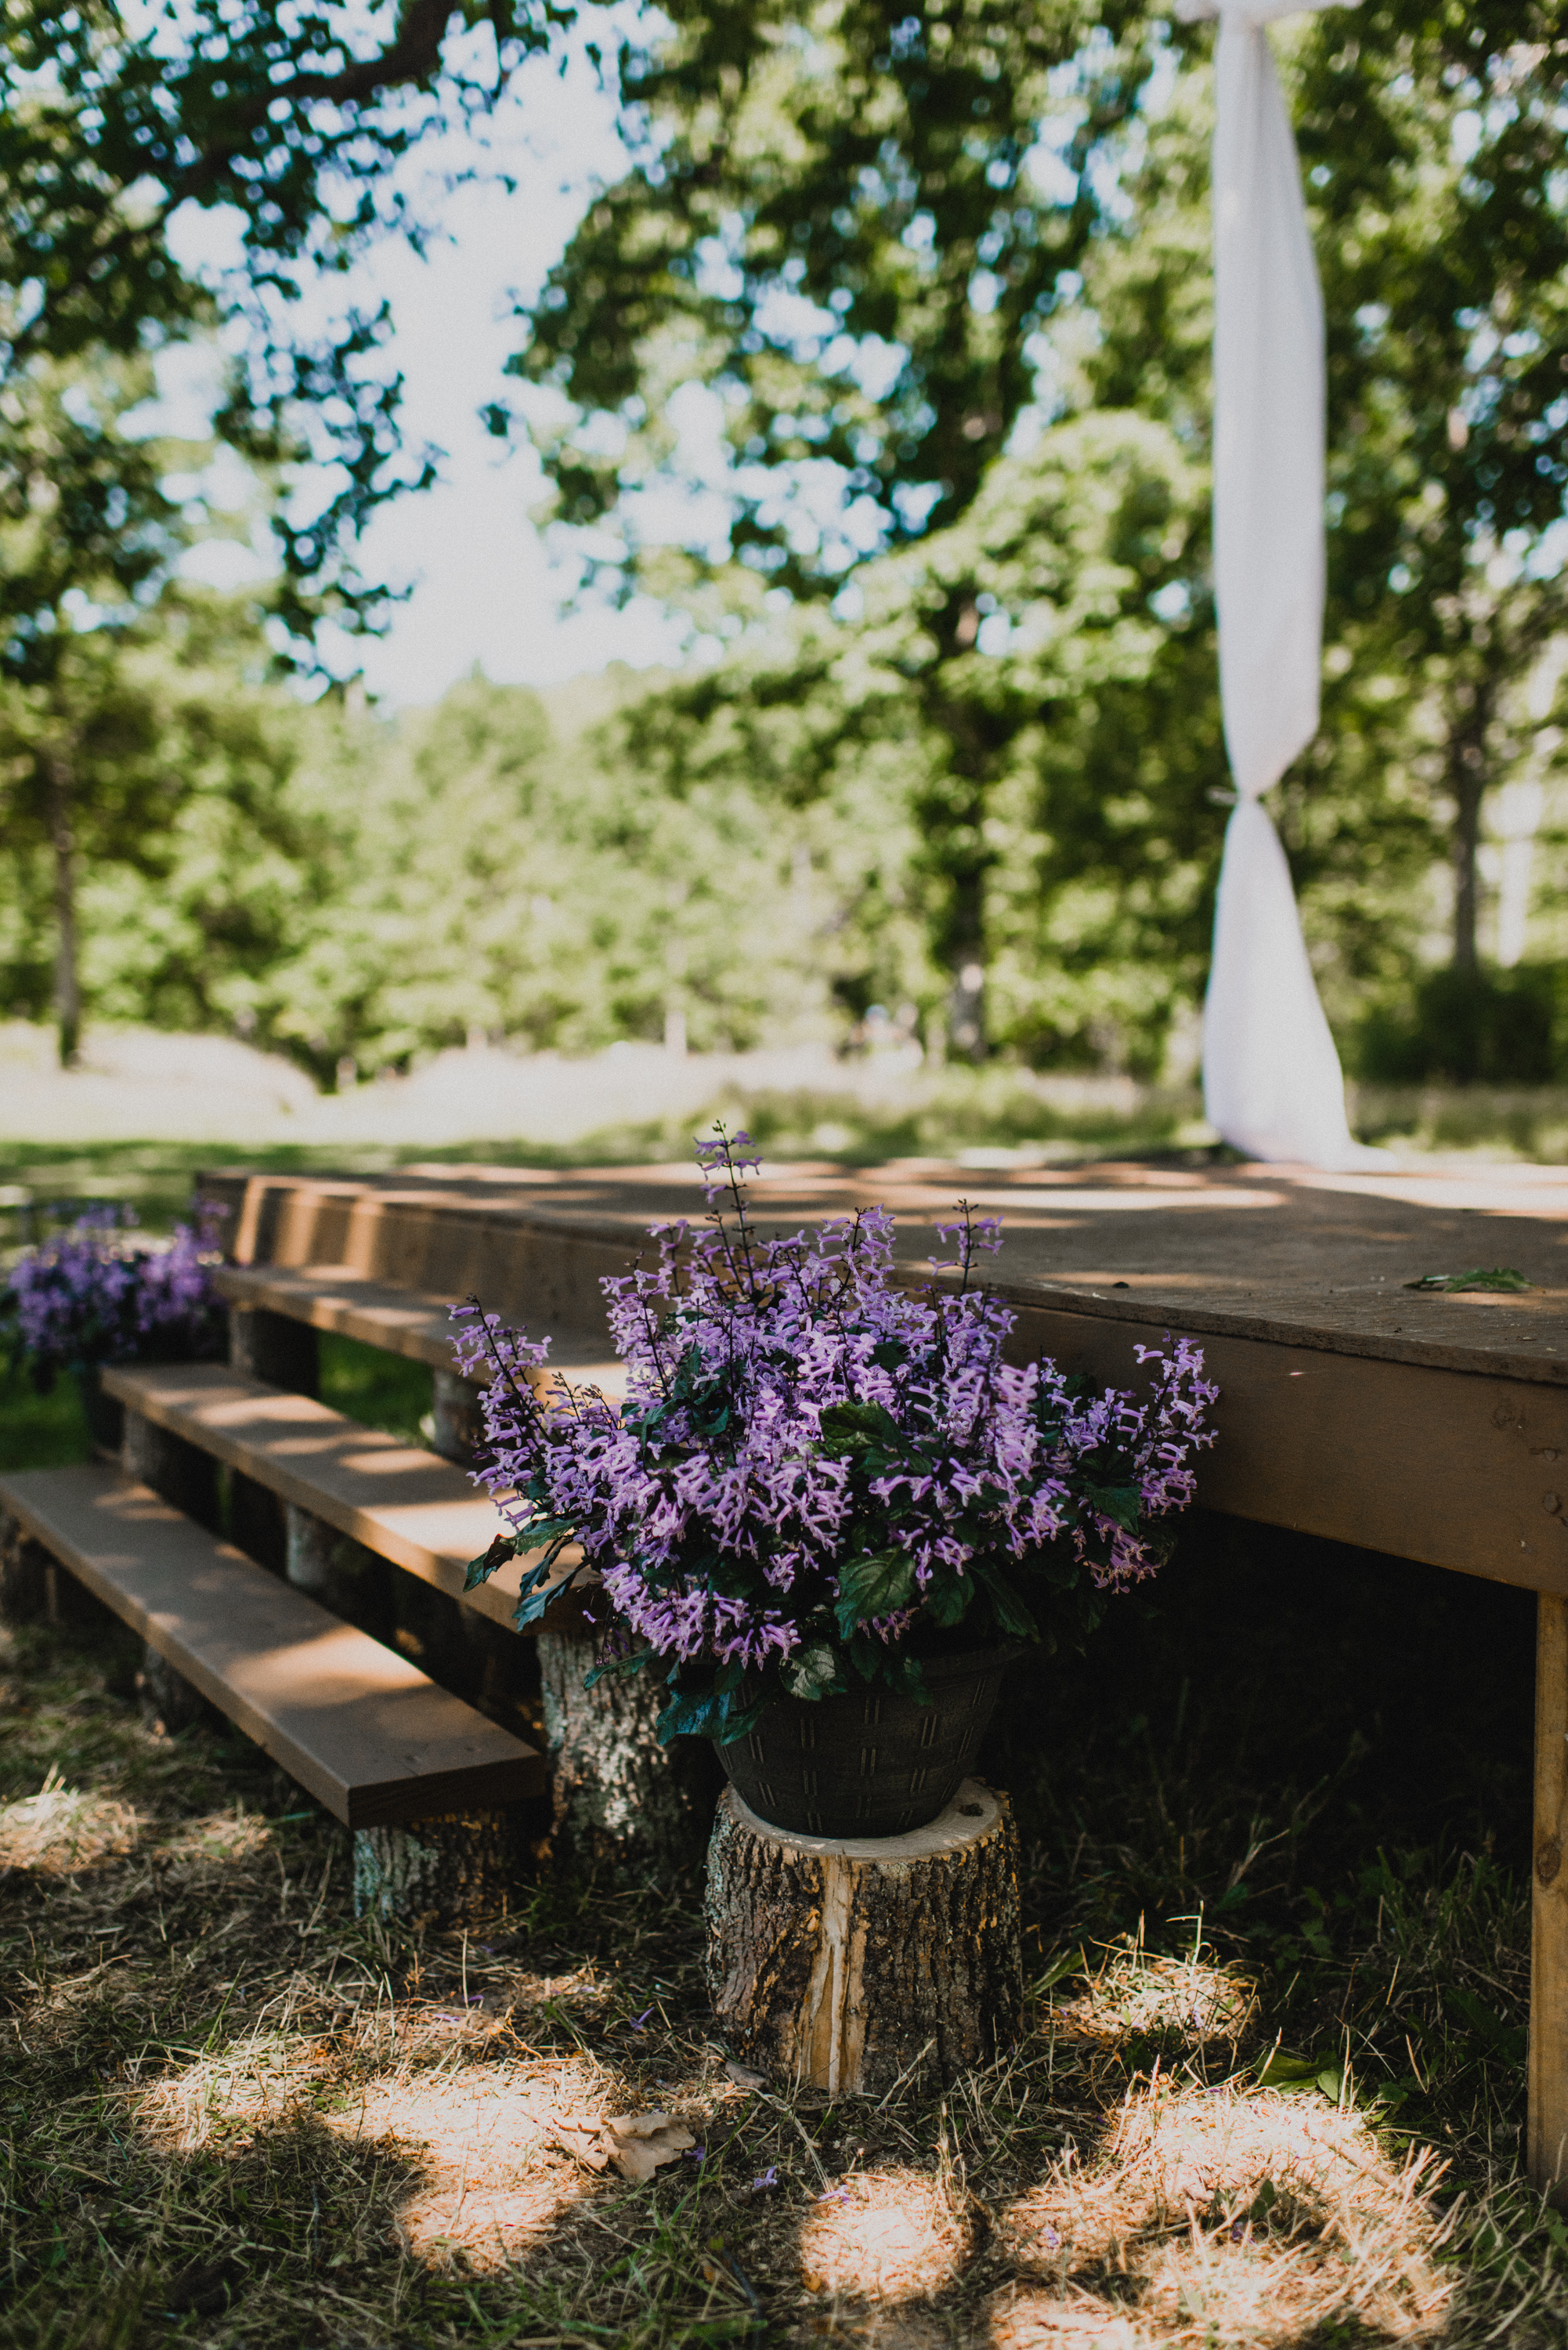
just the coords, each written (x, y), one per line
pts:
(871, 1763)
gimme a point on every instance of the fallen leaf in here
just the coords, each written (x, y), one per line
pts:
(581, 2139)
(637, 2144)
(640, 2144)
(1498, 1277)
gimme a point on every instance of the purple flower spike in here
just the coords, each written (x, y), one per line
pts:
(88, 1294)
(818, 1463)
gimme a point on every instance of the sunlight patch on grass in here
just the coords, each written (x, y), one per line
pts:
(890, 2235)
(1137, 1995)
(251, 2085)
(489, 2182)
(62, 1829)
(1250, 2218)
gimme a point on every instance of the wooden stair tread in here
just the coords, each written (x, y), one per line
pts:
(359, 1725)
(405, 1322)
(407, 1505)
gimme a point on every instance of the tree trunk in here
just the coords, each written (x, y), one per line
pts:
(24, 1574)
(275, 1348)
(622, 1803)
(67, 981)
(1466, 782)
(851, 1964)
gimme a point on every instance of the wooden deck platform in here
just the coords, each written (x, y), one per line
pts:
(1429, 1426)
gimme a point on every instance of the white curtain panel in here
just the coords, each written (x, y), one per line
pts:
(1271, 1079)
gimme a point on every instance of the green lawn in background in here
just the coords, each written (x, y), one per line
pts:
(39, 1431)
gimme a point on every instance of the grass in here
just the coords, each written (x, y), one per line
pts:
(1275, 1826)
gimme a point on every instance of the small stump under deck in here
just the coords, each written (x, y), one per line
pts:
(849, 1963)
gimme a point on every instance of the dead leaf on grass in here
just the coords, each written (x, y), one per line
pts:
(636, 2144)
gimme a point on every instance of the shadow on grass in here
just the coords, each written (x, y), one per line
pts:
(239, 2118)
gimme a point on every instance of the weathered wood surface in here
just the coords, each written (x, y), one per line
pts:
(1548, 2135)
(1290, 1256)
(359, 1726)
(850, 1964)
(397, 1318)
(405, 1504)
(1433, 1427)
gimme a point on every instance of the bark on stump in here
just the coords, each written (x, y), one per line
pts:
(168, 1702)
(457, 1417)
(621, 1802)
(347, 1579)
(851, 1963)
(450, 1870)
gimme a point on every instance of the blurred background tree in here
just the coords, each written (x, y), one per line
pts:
(934, 281)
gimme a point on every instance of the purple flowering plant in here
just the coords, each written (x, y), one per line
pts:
(822, 1474)
(92, 1294)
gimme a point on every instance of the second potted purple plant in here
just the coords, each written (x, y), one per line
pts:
(829, 1512)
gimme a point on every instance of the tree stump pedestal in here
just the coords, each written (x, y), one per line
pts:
(852, 1963)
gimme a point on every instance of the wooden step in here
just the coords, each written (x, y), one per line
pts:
(439, 1240)
(355, 1722)
(405, 1504)
(400, 1321)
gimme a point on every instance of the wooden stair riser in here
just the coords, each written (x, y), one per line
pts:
(544, 1273)
(337, 1471)
(275, 1347)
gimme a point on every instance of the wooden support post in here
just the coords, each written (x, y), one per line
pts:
(853, 1963)
(1549, 1939)
(275, 1348)
(622, 1803)
(456, 1418)
(452, 1870)
(180, 1471)
(24, 1574)
(340, 1572)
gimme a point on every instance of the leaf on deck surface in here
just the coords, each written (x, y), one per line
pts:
(1497, 1276)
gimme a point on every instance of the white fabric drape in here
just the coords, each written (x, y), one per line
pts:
(1271, 1079)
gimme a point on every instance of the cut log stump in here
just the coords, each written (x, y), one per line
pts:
(450, 1870)
(621, 1803)
(852, 1963)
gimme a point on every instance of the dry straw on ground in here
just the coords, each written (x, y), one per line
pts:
(248, 2121)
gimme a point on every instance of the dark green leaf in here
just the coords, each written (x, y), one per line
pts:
(856, 1426)
(874, 1585)
(480, 1570)
(813, 1672)
(1011, 1612)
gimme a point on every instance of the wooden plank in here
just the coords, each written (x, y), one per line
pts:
(404, 1504)
(355, 1722)
(1463, 1472)
(1305, 1258)
(400, 1321)
(1548, 2137)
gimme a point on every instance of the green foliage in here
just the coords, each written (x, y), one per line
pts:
(112, 124)
(1487, 1027)
(833, 217)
